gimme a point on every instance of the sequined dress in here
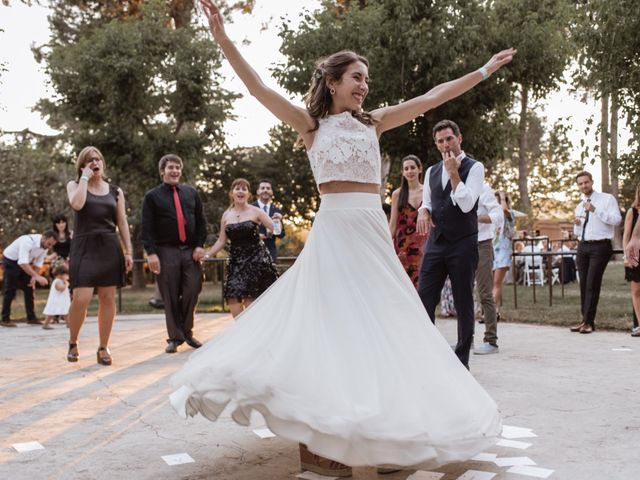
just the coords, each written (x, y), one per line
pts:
(250, 270)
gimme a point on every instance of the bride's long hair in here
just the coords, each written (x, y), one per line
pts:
(318, 98)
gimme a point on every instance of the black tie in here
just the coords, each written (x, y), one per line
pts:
(586, 220)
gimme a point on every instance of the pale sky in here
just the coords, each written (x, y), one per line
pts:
(25, 82)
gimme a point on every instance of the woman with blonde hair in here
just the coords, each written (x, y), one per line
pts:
(96, 261)
(250, 269)
(631, 273)
(339, 354)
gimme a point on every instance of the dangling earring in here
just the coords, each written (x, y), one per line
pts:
(332, 91)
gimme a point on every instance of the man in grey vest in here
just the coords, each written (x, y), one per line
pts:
(448, 216)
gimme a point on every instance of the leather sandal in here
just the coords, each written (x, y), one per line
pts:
(73, 355)
(103, 355)
(321, 465)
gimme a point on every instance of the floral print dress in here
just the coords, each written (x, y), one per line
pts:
(409, 244)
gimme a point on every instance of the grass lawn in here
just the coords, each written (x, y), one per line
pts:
(614, 309)
(133, 301)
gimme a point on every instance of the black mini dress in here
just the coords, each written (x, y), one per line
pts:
(96, 258)
(633, 274)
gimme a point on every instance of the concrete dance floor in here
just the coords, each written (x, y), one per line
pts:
(574, 398)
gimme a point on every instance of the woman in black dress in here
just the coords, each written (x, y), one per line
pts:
(62, 248)
(250, 269)
(96, 262)
(632, 274)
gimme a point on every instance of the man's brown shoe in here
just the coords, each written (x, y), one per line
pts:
(7, 323)
(322, 466)
(578, 327)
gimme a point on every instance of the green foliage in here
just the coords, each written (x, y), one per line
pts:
(412, 47)
(540, 32)
(287, 168)
(551, 175)
(609, 60)
(137, 89)
(32, 189)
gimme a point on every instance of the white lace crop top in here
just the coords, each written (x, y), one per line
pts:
(345, 149)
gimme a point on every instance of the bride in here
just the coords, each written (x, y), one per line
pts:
(339, 354)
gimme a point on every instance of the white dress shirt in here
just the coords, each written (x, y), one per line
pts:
(601, 222)
(262, 205)
(466, 194)
(26, 249)
(488, 205)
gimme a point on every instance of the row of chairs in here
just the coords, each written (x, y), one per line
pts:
(535, 272)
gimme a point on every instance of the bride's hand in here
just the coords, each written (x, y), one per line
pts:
(214, 17)
(499, 59)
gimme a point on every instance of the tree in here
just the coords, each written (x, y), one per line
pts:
(137, 89)
(412, 46)
(551, 171)
(539, 30)
(609, 66)
(279, 161)
(32, 188)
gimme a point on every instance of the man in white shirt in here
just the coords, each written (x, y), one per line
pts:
(596, 216)
(22, 260)
(490, 218)
(448, 215)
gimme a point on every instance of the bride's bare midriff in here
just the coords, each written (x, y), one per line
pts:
(347, 187)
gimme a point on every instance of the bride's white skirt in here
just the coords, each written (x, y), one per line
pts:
(339, 354)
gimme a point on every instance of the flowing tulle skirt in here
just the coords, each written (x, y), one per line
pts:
(339, 354)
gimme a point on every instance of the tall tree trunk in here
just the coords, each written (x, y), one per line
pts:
(180, 11)
(613, 162)
(604, 142)
(523, 166)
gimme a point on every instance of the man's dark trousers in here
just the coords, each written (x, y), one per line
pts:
(180, 283)
(592, 259)
(459, 260)
(15, 278)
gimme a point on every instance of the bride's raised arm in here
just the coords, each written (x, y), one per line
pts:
(396, 115)
(296, 117)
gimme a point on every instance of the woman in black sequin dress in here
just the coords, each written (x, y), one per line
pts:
(250, 269)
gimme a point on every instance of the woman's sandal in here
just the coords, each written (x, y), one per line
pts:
(103, 356)
(73, 355)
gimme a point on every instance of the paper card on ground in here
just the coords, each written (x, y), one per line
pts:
(512, 461)
(27, 446)
(476, 475)
(177, 459)
(513, 444)
(622, 349)
(264, 432)
(536, 472)
(424, 475)
(485, 457)
(314, 476)
(517, 432)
